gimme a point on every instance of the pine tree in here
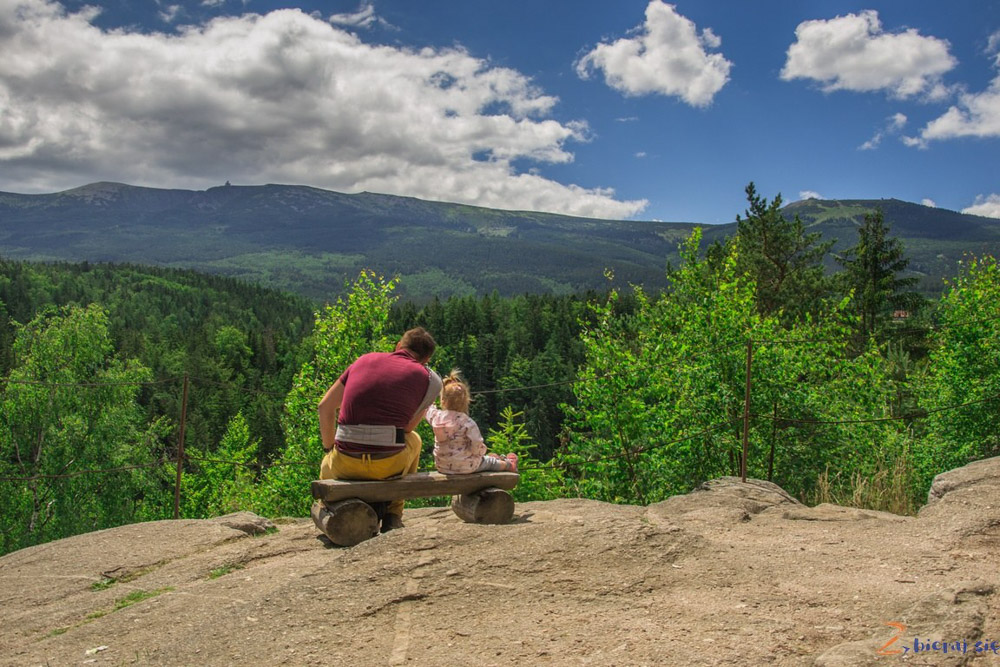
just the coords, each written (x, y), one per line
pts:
(784, 261)
(872, 269)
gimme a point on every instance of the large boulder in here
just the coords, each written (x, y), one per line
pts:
(985, 473)
(965, 503)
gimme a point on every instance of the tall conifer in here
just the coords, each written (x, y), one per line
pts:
(872, 269)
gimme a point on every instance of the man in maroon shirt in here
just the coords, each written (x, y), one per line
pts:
(367, 418)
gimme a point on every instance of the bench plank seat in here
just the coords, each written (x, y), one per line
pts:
(419, 485)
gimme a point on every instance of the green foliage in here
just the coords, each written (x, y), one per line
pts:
(889, 484)
(222, 482)
(70, 406)
(538, 481)
(239, 342)
(872, 271)
(104, 584)
(784, 263)
(520, 352)
(660, 401)
(963, 368)
(138, 596)
(225, 569)
(343, 331)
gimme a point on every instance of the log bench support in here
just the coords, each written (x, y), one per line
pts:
(345, 522)
(343, 510)
(487, 506)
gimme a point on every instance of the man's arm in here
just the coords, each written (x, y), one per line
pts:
(433, 390)
(329, 410)
(416, 421)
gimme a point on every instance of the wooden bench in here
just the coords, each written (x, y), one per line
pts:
(343, 509)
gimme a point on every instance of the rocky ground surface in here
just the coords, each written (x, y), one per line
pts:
(730, 574)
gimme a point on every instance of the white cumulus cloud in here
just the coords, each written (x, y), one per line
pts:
(853, 53)
(929, 202)
(975, 115)
(988, 206)
(282, 97)
(666, 55)
(809, 194)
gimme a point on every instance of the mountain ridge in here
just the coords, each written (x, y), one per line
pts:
(311, 241)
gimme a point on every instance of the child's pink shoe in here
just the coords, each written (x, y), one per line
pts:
(512, 460)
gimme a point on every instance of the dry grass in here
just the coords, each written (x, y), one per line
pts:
(888, 488)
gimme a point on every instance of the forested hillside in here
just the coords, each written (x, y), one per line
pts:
(312, 241)
(234, 338)
(133, 393)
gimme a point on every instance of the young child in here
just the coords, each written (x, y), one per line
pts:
(458, 445)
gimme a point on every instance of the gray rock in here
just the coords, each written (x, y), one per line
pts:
(965, 502)
(725, 500)
(986, 471)
(247, 522)
(828, 512)
(953, 615)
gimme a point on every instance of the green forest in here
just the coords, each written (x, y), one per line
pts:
(128, 391)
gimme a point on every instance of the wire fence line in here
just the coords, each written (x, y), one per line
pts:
(908, 417)
(79, 473)
(562, 465)
(122, 383)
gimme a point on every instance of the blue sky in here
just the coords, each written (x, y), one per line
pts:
(626, 109)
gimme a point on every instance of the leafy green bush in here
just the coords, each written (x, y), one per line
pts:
(224, 479)
(538, 481)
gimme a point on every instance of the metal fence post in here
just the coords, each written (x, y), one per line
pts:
(746, 413)
(180, 450)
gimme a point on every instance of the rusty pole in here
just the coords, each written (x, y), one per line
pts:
(180, 450)
(746, 413)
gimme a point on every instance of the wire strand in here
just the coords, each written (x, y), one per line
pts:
(911, 417)
(80, 473)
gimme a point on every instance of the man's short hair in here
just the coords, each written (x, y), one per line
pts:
(418, 341)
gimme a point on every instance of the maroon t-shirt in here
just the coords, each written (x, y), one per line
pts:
(381, 388)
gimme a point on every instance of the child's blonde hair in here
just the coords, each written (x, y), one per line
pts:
(455, 392)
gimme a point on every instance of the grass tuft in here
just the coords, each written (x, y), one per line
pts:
(225, 569)
(104, 584)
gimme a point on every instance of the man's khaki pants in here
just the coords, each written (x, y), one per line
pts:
(339, 466)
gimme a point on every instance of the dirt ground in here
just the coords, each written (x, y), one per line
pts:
(733, 574)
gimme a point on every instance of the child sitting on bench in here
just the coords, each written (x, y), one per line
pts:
(458, 445)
